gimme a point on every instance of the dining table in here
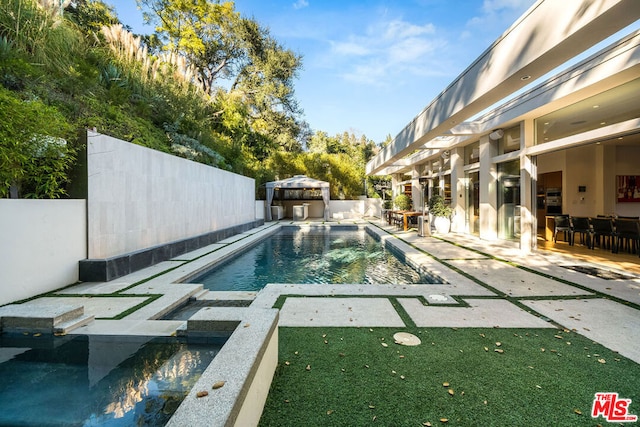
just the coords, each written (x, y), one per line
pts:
(405, 216)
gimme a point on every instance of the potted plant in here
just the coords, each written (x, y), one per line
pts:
(402, 202)
(441, 214)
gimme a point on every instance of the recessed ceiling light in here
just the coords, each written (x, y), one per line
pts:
(603, 123)
(525, 78)
(596, 106)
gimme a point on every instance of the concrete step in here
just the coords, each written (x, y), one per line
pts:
(64, 328)
(34, 317)
(200, 295)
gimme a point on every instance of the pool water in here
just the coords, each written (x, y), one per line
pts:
(317, 256)
(96, 381)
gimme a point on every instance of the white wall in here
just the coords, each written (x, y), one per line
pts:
(42, 242)
(580, 166)
(139, 198)
(346, 209)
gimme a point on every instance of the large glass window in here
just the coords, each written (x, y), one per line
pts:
(510, 141)
(509, 200)
(472, 153)
(613, 106)
(447, 189)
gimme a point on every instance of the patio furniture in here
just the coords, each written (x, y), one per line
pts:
(301, 212)
(582, 226)
(562, 224)
(628, 235)
(395, 218)
(603, 229)
(277, 212)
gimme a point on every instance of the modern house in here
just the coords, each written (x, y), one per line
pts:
(545, 121)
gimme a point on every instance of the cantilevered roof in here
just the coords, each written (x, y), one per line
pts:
(547, 35)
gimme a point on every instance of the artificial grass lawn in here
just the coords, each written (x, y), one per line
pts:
(346, 377)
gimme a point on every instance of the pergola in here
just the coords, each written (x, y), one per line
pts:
(298, 182)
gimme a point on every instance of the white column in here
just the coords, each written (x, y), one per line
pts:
(488, 190)
(528, 176)
(457, 190)
(416, 189)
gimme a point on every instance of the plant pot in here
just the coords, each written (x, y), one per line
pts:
(442, 224)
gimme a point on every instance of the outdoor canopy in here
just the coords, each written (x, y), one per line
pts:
(298, 182)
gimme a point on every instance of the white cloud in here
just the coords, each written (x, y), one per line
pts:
(386, 50)
(411, 50)
(300, 4)
(397, 30)
(350, 48)
(493, 6)
(499, 12)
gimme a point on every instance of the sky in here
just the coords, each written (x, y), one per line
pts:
(370, 66)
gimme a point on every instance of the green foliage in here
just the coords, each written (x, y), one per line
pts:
(39, 32)
(438, 207)
(210, 85)
(379, 186)
(35, 148)
(192, 149)
(90, 16)
(345, 181)
(402, 202)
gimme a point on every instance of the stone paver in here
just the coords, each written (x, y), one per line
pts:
(151, 328)
(198, 253)
(447, 251)
(480, 313)
(514, 281)
(313, 312)
(105, 307)
(609, 323)
(94, 288)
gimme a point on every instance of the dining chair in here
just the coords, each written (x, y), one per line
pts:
(628, 235)
(562, 224)
(603, 229)
(581, 225)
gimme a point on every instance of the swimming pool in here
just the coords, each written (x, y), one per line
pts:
(95, 380)
(312, 256)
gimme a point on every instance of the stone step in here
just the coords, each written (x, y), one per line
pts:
(34, 317)
(64, 328)
(200, 295)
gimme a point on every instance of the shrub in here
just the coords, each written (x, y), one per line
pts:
(402, 202)
(34, 148)
(438, 207)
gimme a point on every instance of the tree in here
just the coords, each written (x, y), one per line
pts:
(236, 60)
